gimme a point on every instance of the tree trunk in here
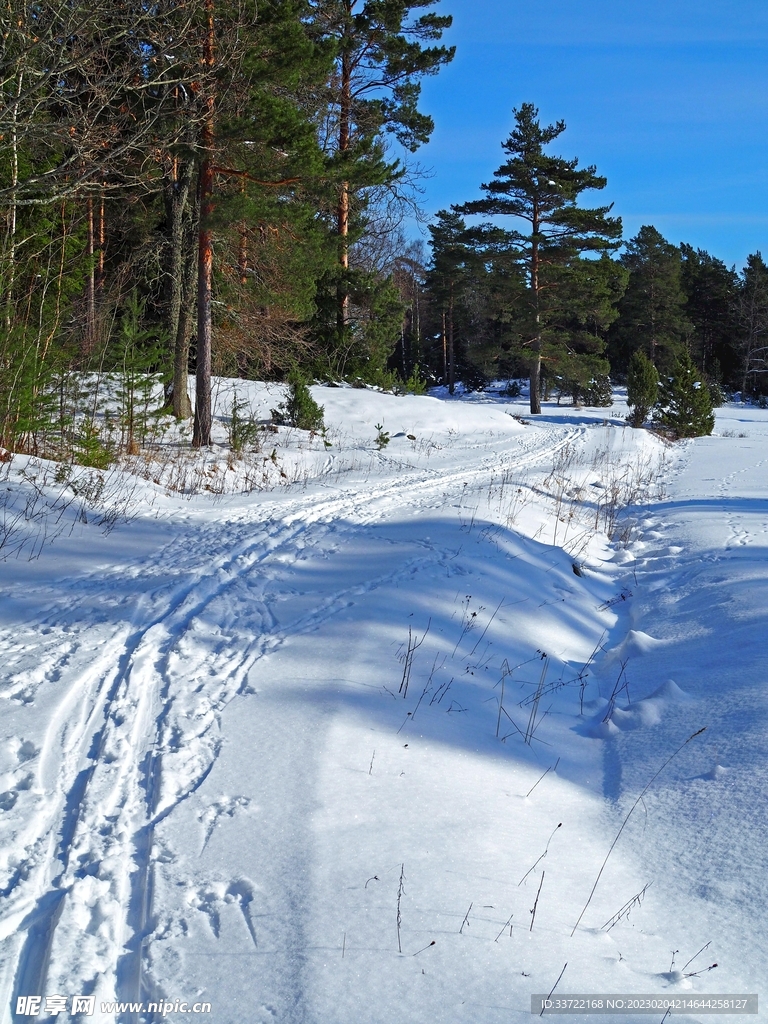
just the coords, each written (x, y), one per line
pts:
(203, 416)
(535, 381)
(242, 247)
(179, 297)
(242, 254)
(12, 211)
(415, 325)
(89, 338)
(445, 352)
(451, 354)
(102, 243)
(536, 384)
(342, 213)
(182, 407)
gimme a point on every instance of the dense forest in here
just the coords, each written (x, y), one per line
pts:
(222, 189)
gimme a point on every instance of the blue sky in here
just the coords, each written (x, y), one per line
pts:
(668, 99)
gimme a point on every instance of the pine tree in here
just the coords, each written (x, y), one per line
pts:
(271, 176)
(136, 352)
(711, 290)
(374, 91)
(752, 319)
(585, 306)
(543, 191)
(685, 405)
(642, 388)
(449, 277)
(652, 311)
(256, 138)
(299, 409)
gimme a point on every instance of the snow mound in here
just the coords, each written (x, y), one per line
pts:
(608, 722)
(670, 691)
(635, 644)
(621, 556)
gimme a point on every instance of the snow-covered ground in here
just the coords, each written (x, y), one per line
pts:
(352, 748)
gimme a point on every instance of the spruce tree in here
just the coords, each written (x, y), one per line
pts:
(685, 405)
(542, 192)
(642, 388)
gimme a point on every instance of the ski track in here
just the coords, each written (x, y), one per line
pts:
(119, 721)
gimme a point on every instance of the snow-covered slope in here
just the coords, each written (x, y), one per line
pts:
(354, 747)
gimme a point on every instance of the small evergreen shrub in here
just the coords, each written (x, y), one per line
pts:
(717, 393)
(473, 378)
(382, 436)
(244, 431)
(90, 448)
(391, 381)
(685, 406)
(136, 351)
(642, 388)
(598, 392)
(300, 409)
(415, 385)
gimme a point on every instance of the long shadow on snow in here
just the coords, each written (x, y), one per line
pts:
(493, 600)
(422, 571)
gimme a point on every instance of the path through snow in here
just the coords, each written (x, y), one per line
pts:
(212, 780)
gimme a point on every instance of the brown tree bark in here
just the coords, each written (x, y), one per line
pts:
(179, 312)
(201, 436)
(342, 213)
(12, 207)
(89, 335)
(102, 244)
(445, 351)
(535, 379)
(185, 330)
(451, 352)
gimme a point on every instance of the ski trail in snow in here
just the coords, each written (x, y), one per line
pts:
(119, 787)
(204, 811)
(94, 895)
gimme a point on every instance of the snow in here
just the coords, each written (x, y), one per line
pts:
(251, 716)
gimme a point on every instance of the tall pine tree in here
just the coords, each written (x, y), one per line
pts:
(257, 151)
(542, 192)
(448, 279)
(642, 388)
(652, 312)
(752, 318)
(710, 289)
(373, 92)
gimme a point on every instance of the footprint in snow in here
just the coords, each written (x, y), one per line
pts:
(212, 899)
(26, 751)
(224, 807)
(8, 800)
